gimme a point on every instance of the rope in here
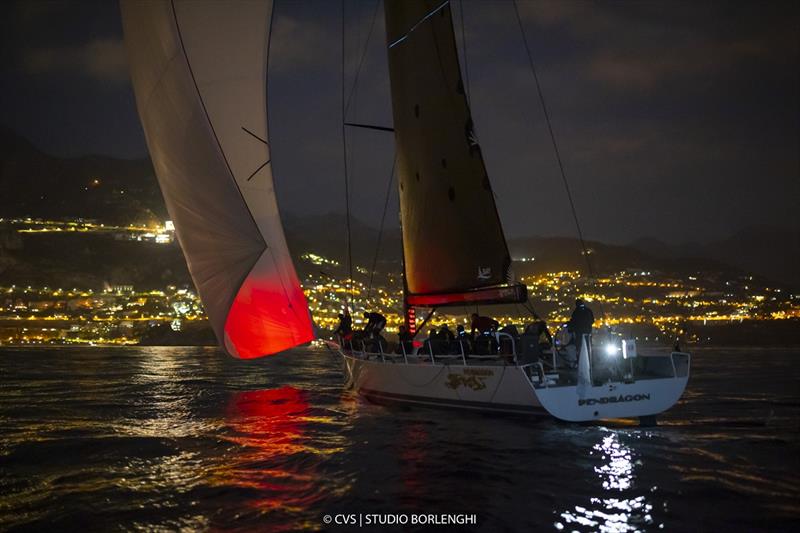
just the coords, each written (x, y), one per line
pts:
(380, 231)
(363, 55)
(344, 163)
(553, 139)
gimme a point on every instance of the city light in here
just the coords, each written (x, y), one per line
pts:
(646, 305)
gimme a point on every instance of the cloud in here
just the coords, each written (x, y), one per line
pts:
(646, 66)
(639, 45)
(101, 59)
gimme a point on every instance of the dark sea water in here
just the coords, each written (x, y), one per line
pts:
(187, 438)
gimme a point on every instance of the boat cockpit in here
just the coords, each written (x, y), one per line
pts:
(609, 360)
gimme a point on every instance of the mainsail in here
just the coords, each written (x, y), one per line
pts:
(199, 74)
(453, 243)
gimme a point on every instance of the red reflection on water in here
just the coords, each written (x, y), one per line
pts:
(414, 452)
(269, 426)
(270, 420)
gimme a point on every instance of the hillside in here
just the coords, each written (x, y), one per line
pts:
(562, 253)
(126, 191)
(93, 187)
(771, 252)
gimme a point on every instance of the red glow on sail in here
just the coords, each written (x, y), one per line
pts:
(266, 319)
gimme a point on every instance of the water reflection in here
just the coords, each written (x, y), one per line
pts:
(268, 422)
(413, 455)
(274, 456)
(612, 511)
(162, 395)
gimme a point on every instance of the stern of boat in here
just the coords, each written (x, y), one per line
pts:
(655, 385)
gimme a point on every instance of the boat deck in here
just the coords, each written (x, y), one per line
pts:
(548, 368)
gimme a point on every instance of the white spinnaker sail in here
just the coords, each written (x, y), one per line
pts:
(199, 71)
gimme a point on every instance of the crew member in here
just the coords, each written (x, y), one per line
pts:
(375, 323)
(462, 339)
(483, 324)
(345, 328)
(445, 334)
(539, 330)
(485, 340)
(406, 340)
(581, 322)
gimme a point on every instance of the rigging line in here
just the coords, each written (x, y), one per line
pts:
(368, 126)
(553, 139)
(259, 168)
(464, 47)
(415, 26)
(380, 231)
(344, 162)
(254, 135)
(361, 61)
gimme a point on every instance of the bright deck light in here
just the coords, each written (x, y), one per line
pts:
(612, 349)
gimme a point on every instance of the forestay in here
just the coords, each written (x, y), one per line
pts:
(199, 74)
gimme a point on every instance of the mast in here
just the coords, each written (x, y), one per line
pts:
(199, 72)
(454, 249)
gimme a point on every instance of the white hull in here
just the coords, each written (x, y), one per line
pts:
(509, 388)
(477, 387)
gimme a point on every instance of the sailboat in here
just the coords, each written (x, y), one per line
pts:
(199, 73)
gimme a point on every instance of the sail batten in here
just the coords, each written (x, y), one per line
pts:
(453, 241)
(199, 75)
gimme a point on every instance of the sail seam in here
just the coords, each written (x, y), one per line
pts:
(208, 120)
(240, 282)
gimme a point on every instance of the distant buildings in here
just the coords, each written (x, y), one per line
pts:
(646, 304)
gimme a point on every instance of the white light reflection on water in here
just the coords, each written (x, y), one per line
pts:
(611, 513)
(164, 397)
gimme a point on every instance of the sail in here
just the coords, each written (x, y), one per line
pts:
(198, 69)
(452, 238)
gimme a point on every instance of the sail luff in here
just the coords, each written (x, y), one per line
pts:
(452, 237)
(199, 75)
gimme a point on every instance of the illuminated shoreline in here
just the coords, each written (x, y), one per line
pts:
(645, 305)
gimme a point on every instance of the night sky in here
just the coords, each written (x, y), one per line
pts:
(675, 120)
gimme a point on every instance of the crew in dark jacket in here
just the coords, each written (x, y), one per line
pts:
(581, 321)
(485, 340)
(406, 340)
(345, 329)
(375, 323)
(483, 324)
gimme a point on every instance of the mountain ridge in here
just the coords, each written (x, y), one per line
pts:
(126, 190)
